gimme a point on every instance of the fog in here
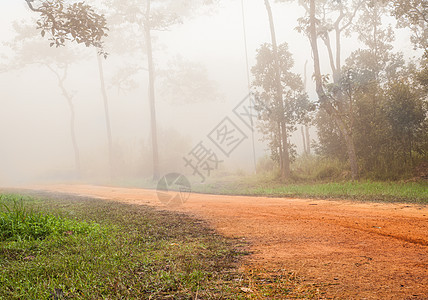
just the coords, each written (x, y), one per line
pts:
(36, 146)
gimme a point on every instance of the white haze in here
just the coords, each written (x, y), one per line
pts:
(34, 117)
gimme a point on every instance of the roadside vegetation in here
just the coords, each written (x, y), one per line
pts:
(316, 177)
(80, 248)
(410, 192)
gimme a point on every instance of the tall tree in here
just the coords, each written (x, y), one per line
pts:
(375, 80)
(149, 16)
(79, 23)
(287, 108)
(369, 69)
(61, 75)
(106, 115)
(151, 69)
(284, 153)
(305, 134)
(29, 49)
(323, 19)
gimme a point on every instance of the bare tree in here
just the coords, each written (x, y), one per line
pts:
(150, 16)
(29, 49)
(61, 76)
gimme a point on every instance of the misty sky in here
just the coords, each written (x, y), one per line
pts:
(34, 117)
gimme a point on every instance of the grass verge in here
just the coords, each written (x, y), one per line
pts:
(80, 248)
(405, 192)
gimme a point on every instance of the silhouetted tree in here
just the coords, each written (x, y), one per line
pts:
(29, 49)
(148, 16)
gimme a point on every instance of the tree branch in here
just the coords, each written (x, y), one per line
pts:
(352, 16)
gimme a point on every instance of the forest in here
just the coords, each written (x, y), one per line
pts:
(360, 106)
(212, 149)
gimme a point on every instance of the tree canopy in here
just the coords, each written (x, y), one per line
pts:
(77, 22)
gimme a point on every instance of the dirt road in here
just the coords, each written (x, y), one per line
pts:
(359, 250)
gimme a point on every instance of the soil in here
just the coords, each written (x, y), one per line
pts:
(354, 250)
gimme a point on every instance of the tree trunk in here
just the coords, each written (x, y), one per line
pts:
(305, 151)
(308, 140)
(151, 69)
(107, 115)
(285, 168)
(69, 99)
(73, 135)
(249, 83)
(286, 154)
(280, 152)
(323, 98)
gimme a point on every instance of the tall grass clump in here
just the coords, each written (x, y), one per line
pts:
(19, 222)
(265, 165)
(315, 168)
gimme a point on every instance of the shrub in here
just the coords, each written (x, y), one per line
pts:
(318, 168)
(265, 165)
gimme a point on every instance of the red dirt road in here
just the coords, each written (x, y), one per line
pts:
(359, 250)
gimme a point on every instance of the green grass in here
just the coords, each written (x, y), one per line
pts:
(79, 248)
(18, 222)
(406, 192)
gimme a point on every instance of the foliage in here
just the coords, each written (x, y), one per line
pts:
(330, 141)
(413, 14)
(295, 105)
(386, 111)
(77, 22)
(317, 168)
(187, 82)
(29, 49)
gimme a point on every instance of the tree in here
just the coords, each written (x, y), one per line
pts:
(149, 16)
(106, 114)
(377, 82)
(148, 25)
(323, 20)
(332, 102)
(281, 106)
(28, 49)
(370, 70)
(282, 128)
(175, 80)
(406, 114)
(414, 15)
(77, 22)
(305, 128)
